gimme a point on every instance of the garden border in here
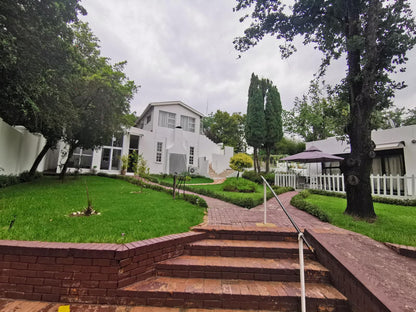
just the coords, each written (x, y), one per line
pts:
(82, 272)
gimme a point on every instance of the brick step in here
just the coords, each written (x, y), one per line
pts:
(242, 268)
(7, 305)
(231, 294)
(241, 248)
(248, 233)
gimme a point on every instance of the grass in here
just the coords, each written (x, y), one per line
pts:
(218, 188)
(194, 180)
(394, 224)
(42, 211)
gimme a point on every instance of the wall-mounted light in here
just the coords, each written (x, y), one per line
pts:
(414, 141)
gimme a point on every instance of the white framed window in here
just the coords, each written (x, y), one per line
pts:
(81, 158)
(159, 149)
(188, 123)
(167, 120)
(111, 154)
(191, 155)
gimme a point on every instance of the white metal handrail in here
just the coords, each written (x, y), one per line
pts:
(301, 239)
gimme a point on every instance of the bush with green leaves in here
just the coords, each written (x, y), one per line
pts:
(377, 199)
(239, 185)
(7, 180)
(256, 177)
(299, 202)
(282, 189)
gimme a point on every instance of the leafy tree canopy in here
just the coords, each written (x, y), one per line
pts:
(288, 146)
(316, 117)
(375, 36)
(240, 161)
(222, 127)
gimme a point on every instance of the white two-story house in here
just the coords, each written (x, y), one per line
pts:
(167, 134)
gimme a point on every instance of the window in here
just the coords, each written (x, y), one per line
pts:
(331, 168)
(81, 158)
(191, 155)
(389, 162)
(159, 149)
(148, 119)
(167, 120)
(111, 154)
(188, 123)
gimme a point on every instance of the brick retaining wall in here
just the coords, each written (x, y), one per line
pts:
(359, 297)
(90, 273)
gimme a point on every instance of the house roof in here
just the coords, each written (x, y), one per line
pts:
(165, 104)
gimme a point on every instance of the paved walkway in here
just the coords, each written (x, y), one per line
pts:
(390, 276)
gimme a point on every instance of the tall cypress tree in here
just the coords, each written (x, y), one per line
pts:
(255, 129)
(273, 121)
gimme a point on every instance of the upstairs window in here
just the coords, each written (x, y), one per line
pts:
(167, 120)
(188, 123)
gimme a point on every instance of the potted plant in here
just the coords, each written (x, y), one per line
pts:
(124, 164)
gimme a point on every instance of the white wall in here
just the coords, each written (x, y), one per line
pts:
(19, 149)
(406, 134)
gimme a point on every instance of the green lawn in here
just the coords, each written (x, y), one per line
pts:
(42, 211)
(247, 200)
(394, 224)
(194, 180)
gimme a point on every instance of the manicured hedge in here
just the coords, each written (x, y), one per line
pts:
(255, 177)
(8, 180)
(299, 202)
(377, 199)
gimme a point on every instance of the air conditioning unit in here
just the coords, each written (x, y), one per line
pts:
(193, 170)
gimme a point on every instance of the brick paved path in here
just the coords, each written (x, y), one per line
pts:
(388, 275)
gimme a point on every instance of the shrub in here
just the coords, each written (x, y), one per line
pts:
(252, 176)
(7, 180)
(299, 202)
(282, 189)
(239, 185)
(26, 177)
(255, 177)
(377, 199)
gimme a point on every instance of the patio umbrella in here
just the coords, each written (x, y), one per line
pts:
(313, 155)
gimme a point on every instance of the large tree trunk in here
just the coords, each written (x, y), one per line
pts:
(39, 158)
(268, 152)
(357, 166)
(357, 169)
(70, 153)
(255, 163)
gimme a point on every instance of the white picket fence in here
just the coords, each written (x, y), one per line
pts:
(393, 186)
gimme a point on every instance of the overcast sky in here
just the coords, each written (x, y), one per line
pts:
(183, 50)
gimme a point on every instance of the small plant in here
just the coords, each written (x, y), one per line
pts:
(124, 163)
(89, 210)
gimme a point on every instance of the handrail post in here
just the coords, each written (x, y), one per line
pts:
(302, 273)
(265, 202)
